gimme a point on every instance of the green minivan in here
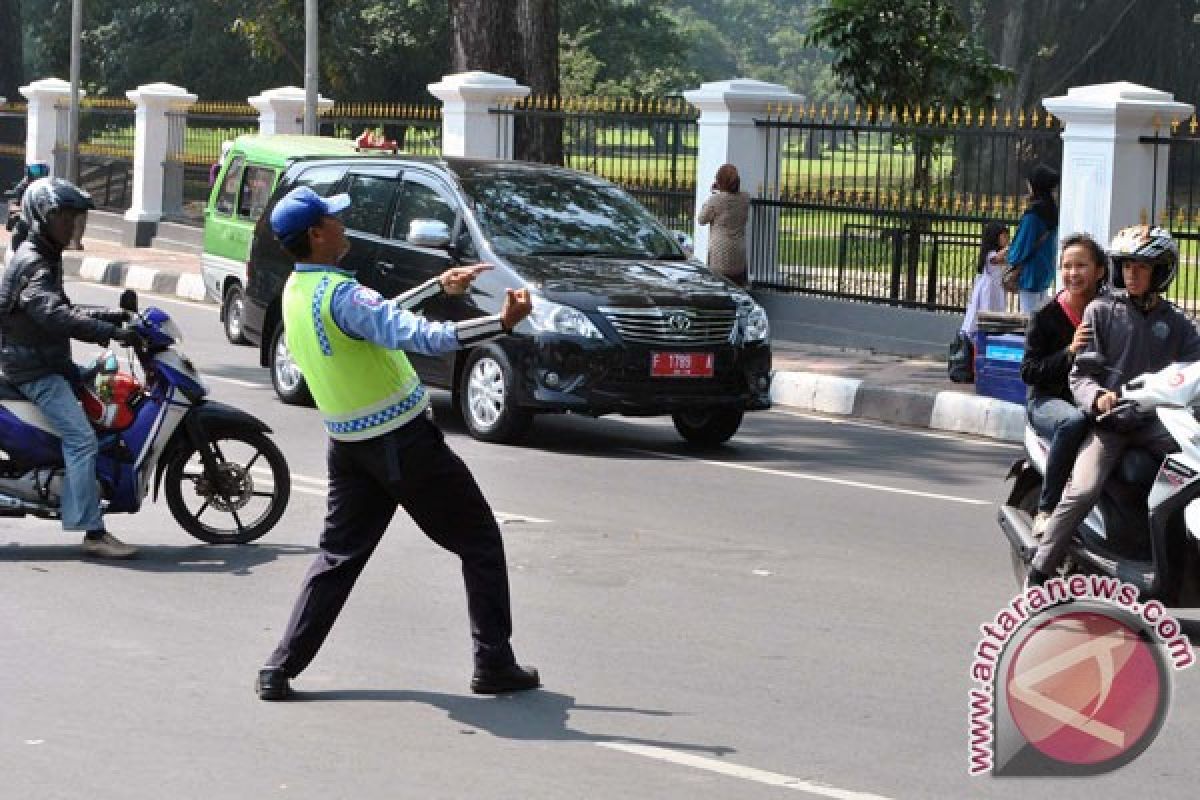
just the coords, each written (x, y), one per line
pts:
(239, 194)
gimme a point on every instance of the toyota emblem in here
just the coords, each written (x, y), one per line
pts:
(679, 322)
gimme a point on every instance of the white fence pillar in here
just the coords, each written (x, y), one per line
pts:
(45, 98)
(469, 130)
(728, 135)
(151, 146)
(1108, 175)
(282, 110)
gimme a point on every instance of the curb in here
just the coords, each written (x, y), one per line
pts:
(953, 412)
(185, 285)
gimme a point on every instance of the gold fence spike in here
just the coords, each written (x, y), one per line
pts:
(1008, 117)
(858, 114)
(1192, 125)
(1174, 127)
(995, 117)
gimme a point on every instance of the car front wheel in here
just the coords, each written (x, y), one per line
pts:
(233, 310)
(708, 426)
(487, 399)
(285, 373)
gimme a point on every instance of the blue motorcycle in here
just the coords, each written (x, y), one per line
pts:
(225, 480)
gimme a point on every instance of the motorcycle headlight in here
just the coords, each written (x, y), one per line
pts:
(755, 327)
(550, 317)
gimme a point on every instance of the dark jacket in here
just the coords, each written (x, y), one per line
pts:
(1132, 342)
(1047, 362)
(37, 319)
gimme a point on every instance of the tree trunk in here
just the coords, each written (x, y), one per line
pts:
(539, 138)
(484, 36)
(517, 39)
(11, 56)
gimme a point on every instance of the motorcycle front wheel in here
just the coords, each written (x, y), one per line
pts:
(241, 499)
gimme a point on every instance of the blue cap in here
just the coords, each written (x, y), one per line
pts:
(302, 208)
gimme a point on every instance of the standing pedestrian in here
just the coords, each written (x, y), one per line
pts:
(1057, 334)
(727, 211)
(1034, 246)
(987, 293)
(384, 450)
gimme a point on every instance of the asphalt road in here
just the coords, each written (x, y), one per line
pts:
(791, 615)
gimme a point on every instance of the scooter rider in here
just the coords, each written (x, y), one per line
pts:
(37, 323)
(14, 224)
(1136, 330)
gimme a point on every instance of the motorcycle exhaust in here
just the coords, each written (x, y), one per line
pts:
(1018, 527)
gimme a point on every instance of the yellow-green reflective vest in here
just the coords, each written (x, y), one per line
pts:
(362, 390)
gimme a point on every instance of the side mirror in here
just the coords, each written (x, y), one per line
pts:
(428, 233)
(1089, 363)
(129, 301)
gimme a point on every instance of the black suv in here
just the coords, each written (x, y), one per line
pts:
(623, 322)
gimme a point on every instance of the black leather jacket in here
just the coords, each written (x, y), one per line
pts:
(37, 319)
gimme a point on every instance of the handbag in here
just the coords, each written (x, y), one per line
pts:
(960, 365)
(1011, 278)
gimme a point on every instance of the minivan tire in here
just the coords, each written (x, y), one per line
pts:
(487, 398)
(285, 373)
(233, 314)
(708, 426)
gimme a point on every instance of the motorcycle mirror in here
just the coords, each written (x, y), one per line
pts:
(129, 301)
(1089, 363)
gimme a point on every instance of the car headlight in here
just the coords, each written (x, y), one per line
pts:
(755, 327)
(550, 317)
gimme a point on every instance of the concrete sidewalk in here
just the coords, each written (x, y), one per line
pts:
(808, 377)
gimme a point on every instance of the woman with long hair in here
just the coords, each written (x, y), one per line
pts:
(1055, 336)
(987, 294)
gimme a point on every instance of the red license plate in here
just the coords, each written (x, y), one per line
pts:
(681, 365)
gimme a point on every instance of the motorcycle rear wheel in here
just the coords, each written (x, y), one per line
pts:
(243, 486)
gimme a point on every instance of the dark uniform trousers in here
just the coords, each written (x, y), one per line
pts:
(411, 467)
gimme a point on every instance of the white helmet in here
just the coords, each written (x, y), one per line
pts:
(1151, 245)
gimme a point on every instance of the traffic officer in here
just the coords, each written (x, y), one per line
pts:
(384, 449)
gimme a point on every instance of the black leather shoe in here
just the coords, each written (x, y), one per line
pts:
(273, 684)
(513, 678)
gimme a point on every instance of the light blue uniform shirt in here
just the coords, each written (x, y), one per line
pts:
(363, 313)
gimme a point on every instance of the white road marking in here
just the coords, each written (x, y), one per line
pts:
(738, 771)
(166, 298)
(236, 382)
(806, 476)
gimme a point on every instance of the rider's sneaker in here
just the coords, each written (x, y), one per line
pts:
(102, 544)
(1039, 524)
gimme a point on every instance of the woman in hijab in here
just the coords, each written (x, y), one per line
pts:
(726, 210)
(1035, 245)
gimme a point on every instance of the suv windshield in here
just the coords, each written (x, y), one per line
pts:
(563, 214)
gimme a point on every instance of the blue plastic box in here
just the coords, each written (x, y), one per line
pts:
(998, 366)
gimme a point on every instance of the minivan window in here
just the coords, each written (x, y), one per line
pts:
(540, 213)
(256, 189)
(228, 193)
(321, 179)
(370, 199)
(418, 201)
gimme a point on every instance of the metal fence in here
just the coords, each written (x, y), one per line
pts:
(106, 134)
(888, 207)
(12, 143)
(1181, 171)
(648, 147)
(415, 129)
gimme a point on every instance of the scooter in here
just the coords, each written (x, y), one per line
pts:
(1145, 530)
(225, 481)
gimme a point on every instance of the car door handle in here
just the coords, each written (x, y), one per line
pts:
(385, 266)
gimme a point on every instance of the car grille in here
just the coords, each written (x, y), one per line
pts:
(672, 326)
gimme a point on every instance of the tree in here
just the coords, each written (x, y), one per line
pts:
(11, 61)
(913, 53)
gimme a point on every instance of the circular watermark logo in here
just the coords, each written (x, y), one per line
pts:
(1087, 687)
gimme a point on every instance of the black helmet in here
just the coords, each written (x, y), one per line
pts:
(1150, 245)
(46, 196)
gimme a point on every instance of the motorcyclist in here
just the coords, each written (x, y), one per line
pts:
(37, 324)
(14, 224)
(1136, 330)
